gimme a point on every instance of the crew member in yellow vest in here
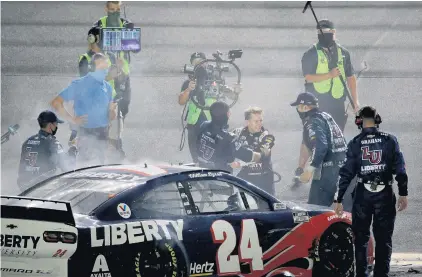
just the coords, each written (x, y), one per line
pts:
(122, 85)
(321, 69)
(195, 115)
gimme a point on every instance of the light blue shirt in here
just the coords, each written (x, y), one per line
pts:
(92, 98)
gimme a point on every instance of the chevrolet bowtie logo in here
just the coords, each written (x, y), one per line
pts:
(11, 226)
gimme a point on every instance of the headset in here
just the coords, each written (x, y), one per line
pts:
(359, 118)
(93, 35)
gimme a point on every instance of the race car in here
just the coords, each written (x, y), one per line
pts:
(168, 221)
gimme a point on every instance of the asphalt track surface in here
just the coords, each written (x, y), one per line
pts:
(41, 42)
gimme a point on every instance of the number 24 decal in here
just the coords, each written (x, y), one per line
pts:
(59, 253)
(249, 248)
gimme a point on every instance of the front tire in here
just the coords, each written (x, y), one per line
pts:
(336, 252)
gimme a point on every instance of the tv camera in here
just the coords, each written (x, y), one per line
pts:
(214, 84)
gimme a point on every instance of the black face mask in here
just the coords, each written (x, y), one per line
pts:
(53, 132)
(304, 115)
(326, 40)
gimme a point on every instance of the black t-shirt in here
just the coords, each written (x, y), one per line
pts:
(310, 63)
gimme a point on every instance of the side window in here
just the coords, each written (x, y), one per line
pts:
(212, 196)
(163, 199)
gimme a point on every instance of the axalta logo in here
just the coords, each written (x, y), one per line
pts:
(16, 241)
(100, 268)
(205, 269)
(136, 232)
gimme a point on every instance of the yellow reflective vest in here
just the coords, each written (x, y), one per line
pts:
(337, 91)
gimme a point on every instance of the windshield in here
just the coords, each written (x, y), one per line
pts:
(83, 194)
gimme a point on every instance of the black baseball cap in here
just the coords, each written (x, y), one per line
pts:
(197, 55)
(325, 24)
(305, 98)
(48, 117)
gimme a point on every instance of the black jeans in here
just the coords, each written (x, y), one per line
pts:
(323, 190)
(380, 206)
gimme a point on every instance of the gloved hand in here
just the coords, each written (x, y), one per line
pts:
(296, 180)
(73, 151)
(267, 141)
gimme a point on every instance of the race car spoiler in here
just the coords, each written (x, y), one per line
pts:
(19, 207)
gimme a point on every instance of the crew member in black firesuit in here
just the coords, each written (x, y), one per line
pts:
(42, 153)
(216, 146)
(254, 136)
(326, 147)
(373, 156)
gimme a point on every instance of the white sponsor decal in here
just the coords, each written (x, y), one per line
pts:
(136, 232)
(199, 269)
(279, 206)
(375, 168)
(107, 175)
(100, 268)
(208, 174)
(300, 217)
(124, 210)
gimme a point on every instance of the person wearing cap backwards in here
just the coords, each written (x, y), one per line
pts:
(42, 153)
(373, 156)
(216, 147)
(195, 115)
(322, 65)
(325, 145)
(94, 109)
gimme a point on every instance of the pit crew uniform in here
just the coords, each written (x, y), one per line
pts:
(216, 148)
(41, 155)
(261, 173)
(374, 157)
(323, 137)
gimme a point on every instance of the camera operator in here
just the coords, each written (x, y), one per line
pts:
(195, 115)
(216, 146)
(94, 109)
(254, 136)
(194, 88)
(122, 84)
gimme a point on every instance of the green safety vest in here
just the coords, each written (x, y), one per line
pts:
(125, 68)
(194, 111)
(322, 87)
(111, 82)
